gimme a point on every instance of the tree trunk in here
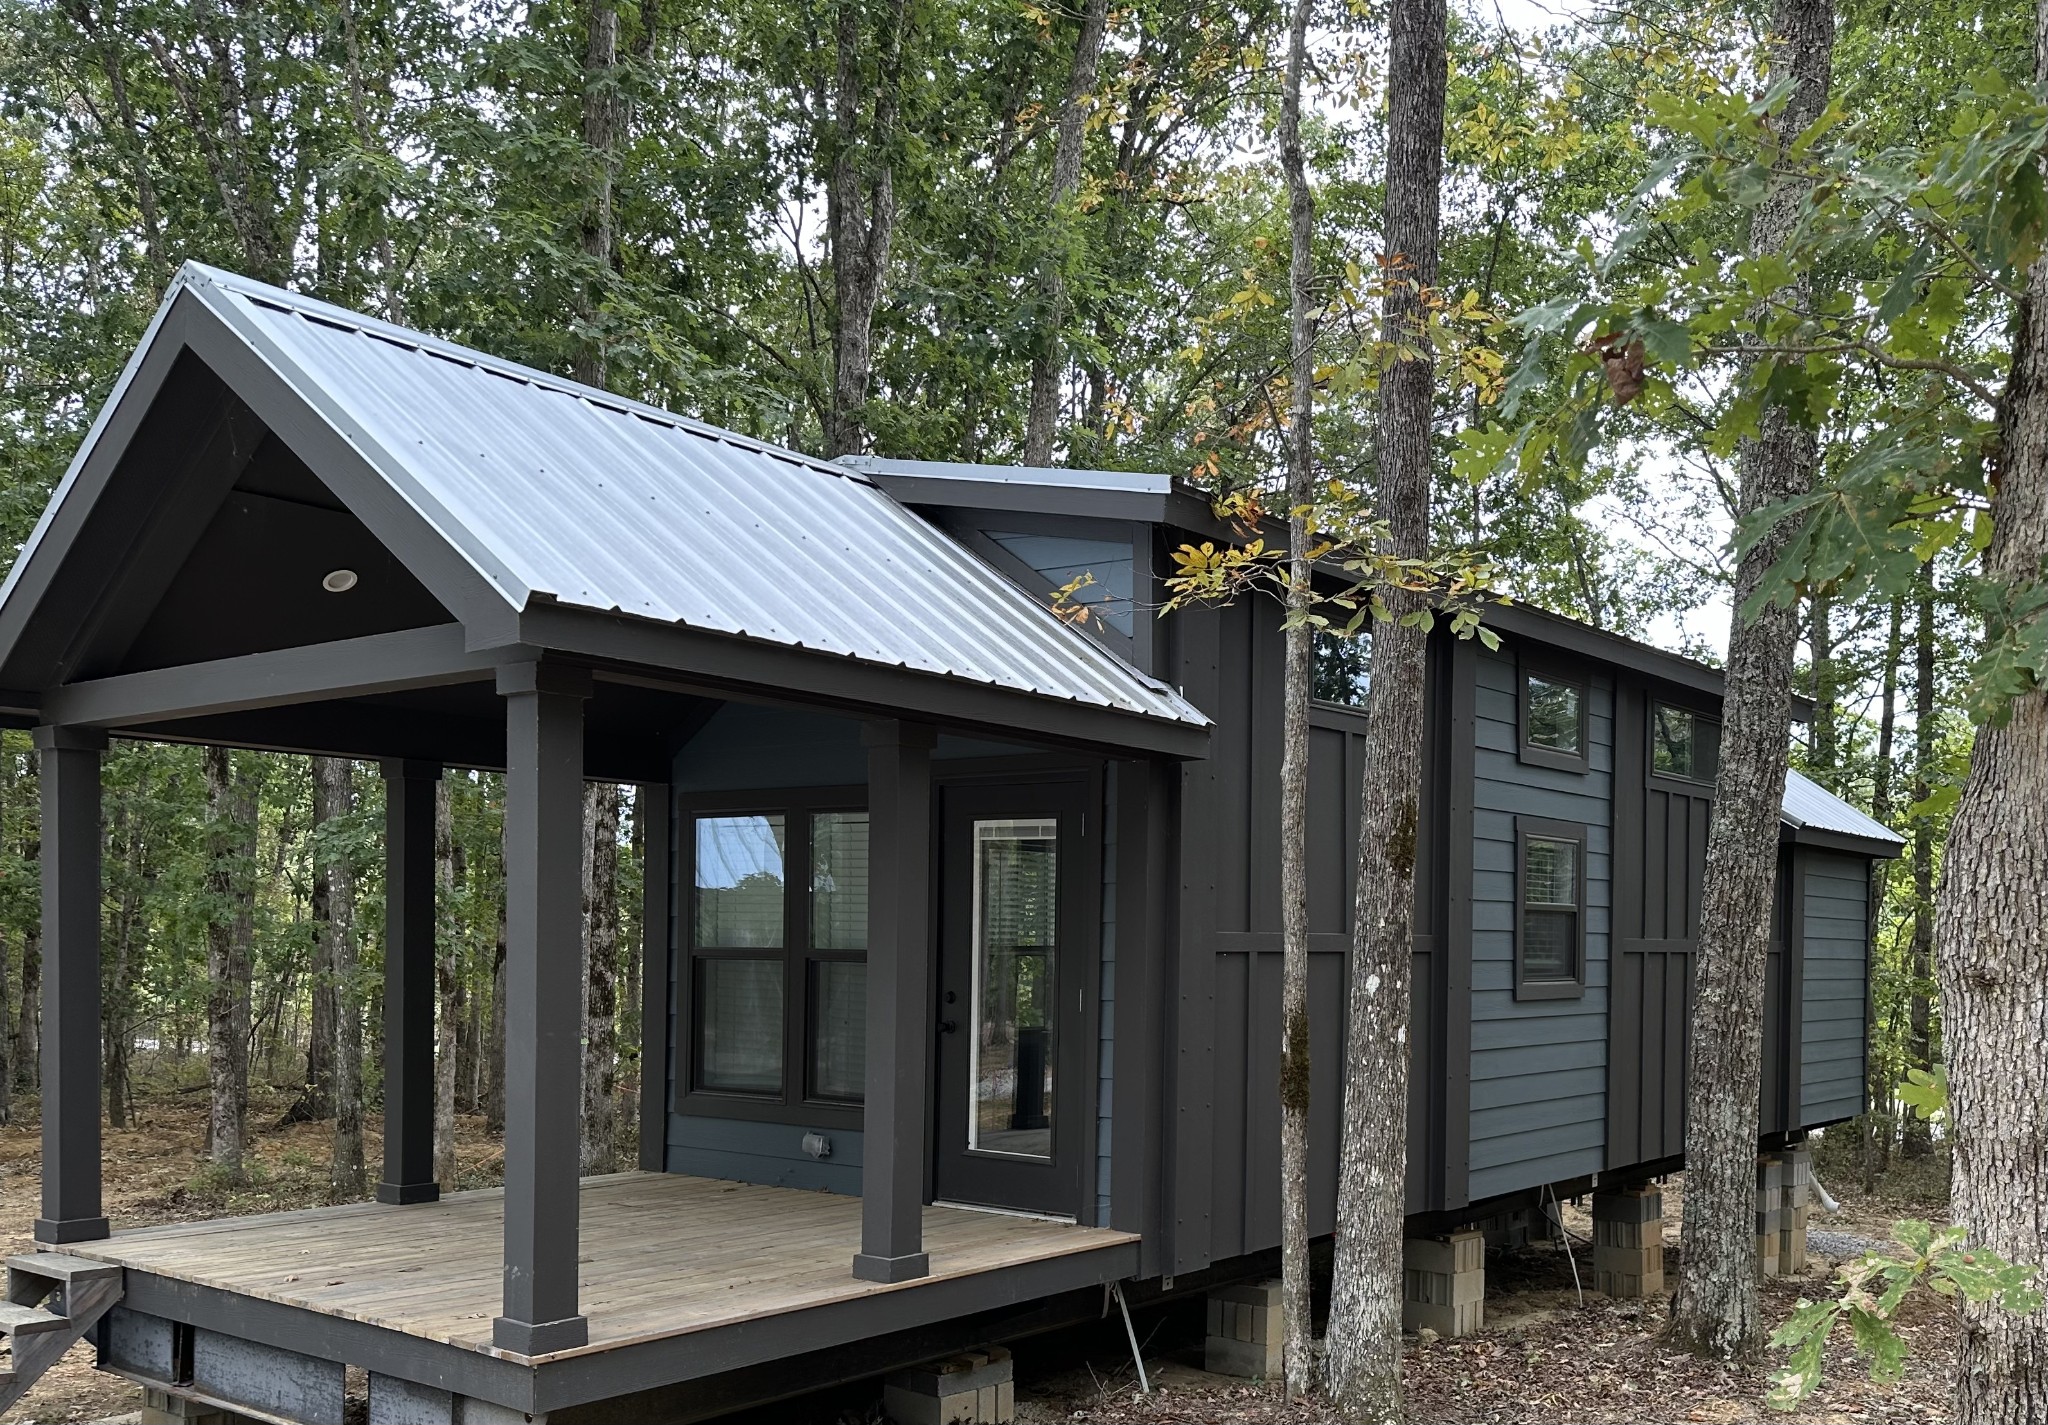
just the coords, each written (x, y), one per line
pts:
(860, 213)
(316, 1101)
(123, 974)
(1878, 1089)
(601, 977)
(28, 1036)
(1715, 1310)
(1041, 419)
(1990, 938)
(448, 981)
(1826, 760)
(230, 935)
(1914, 1139)
(334, 796)
(6, 1041)
(594, 228)
(632, 948)
(1296, 691)
(494, 1074)
(1364, 1344)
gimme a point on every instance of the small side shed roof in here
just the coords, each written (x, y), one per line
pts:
(1812, 812)
(558, 493)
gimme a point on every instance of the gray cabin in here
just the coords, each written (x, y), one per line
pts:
(965, 918)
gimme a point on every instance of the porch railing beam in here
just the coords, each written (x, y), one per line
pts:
(345, 668)
(896, 1129)
(543, 1004)
(70, 775)
(409, 919)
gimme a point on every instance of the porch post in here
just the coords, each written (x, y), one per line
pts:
(70, 758)
(409, 982)
(896, 1127)
(543, 1004)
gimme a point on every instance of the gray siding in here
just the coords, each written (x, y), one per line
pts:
(770, 1154)
(1539, 1068)
(1837, 893)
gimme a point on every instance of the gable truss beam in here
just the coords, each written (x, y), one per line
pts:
(347, 668)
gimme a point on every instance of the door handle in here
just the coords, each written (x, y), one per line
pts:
(947, 1026)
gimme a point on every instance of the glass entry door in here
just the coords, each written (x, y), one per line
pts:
(1016, 968)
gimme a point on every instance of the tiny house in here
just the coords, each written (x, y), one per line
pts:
(965, 919)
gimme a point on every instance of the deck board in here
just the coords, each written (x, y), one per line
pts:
(661, 1255)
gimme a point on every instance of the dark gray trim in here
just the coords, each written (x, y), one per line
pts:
(1461, 730)
(718, 663)
(1191, 1121)
(1144, 800)
(1794, 1001)
(350, 667)
(409, 934)
(70, 776)
(655, 821)
(543, 995)
(1527, 621)
(897, 1133)
(1528, 828)
(1531, 754)
(1824, 840)
(1668, 781)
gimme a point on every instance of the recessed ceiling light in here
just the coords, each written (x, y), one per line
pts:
(339, 581)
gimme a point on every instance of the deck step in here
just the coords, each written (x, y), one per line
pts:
(27, 1320)
(61, 1267)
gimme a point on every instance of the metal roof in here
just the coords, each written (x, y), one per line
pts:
(1136, 482)
(1808, 806)
(553, 490)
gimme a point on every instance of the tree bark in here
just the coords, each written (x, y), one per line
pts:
(334, 797)
(1041, 420)
(448, 869)
(860, 211)
(601, 977)
(1914, 1139)
(1826, 760)
(230, 938)
(1296, 691)
(1715, 1310)
(28, 1027)
(1364, 1342)
(601, 103)
(316, 1100)
(1878, 1089)
(1990, 938)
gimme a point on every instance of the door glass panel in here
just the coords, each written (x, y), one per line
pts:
(1016, 889)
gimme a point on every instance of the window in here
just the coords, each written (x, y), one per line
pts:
(1550, 930)
(1553, 719)
(1108, 564)
(1684, 744)
(1342, 672)
(778, 961)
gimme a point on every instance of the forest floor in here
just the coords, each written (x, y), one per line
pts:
(1542, 1357)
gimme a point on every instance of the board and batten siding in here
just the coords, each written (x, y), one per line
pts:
(1832, 1013)
(1539, 1067)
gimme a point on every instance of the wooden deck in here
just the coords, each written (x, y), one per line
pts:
(663, 1255)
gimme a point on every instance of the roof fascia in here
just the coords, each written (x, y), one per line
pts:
(1824, 840)
(714, 664)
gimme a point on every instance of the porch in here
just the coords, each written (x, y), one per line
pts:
(681, 1278)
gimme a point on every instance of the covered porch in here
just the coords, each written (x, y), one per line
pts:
(679, 1278)
(298, 530)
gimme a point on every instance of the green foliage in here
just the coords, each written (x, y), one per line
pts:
(1936, 1259)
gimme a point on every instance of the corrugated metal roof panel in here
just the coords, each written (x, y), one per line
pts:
(555, 489)
(1808, 805)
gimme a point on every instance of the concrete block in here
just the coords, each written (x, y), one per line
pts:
(1459, 1252)
(1448, 1321)
(1249, 1360)
(1629, 1205)
(1632, 1261)
(1628, 1284)
(972, 1388)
